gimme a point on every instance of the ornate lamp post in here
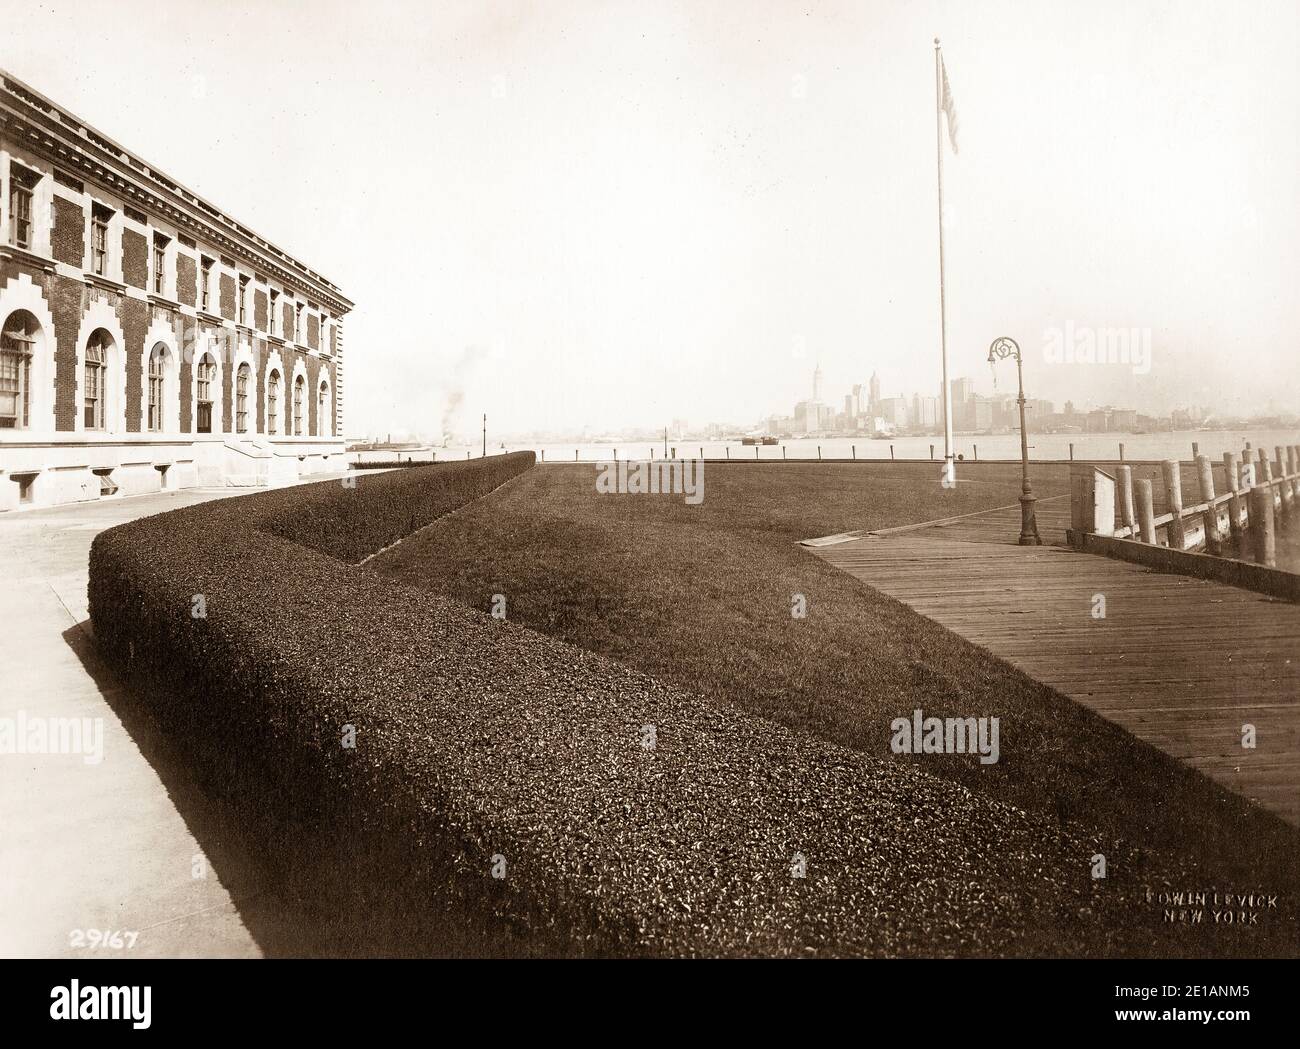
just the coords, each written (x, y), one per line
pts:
(1002, 348)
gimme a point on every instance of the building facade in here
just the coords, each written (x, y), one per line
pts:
(148, 341)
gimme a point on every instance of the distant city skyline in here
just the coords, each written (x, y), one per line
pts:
(866, 409)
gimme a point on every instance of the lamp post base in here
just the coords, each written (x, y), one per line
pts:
(1028, 522)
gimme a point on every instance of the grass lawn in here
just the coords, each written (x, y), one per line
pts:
(701, 596)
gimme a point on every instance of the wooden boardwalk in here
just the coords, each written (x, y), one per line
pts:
(1181, 663)
(1001, 526)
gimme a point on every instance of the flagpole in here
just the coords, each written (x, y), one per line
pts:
(949, 466)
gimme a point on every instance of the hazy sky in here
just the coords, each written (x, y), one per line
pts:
(621, 213)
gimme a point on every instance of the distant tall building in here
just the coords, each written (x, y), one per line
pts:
(817, 382)
(875, 391)
(893, 410)
(861, 406)
(807, 418)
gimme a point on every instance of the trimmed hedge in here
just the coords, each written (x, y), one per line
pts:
(353, 519)
(479, 741)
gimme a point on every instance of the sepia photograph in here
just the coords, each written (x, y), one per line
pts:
(588, 480)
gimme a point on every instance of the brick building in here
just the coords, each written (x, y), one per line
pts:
(148, 341)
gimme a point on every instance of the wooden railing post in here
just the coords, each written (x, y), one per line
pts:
(1263, 475)
(1282, 474)
(1234, 504)
(1205, 476)
(1146, 511)
(1174, 494)
(1129, 514)
(1261, 525)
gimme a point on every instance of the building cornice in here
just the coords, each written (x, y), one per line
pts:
(47, 129)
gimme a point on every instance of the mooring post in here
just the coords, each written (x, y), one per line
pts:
(1261, 525)
(1234, 503)
(1205, 475)
(1284, 487)
(931, 453)
(1127, 510)
(1121, 451)
(755, 451)
(855, 452)
(975, 447)
(819, 453)
(1146, 511)
(891, 451)
(782, 451)
(1196, 450)
(1071, 451)
(1264, 473)
(1174, 493)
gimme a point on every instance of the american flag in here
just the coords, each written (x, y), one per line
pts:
(949, 107)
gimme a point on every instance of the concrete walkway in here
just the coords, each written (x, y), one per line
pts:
(97, 846)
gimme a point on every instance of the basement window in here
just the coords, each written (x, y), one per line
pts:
(106, 483)
(26, 487)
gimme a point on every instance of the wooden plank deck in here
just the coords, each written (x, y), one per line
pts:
(1181, 663)
(1002, 526)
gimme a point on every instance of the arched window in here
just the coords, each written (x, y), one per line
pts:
(206, 377)
(273, 402)
(16, 341)
(96, 379)
(157, 386)
(242, 378)
(299, 394)
(323, 411)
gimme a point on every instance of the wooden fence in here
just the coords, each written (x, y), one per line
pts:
(1258, 493)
